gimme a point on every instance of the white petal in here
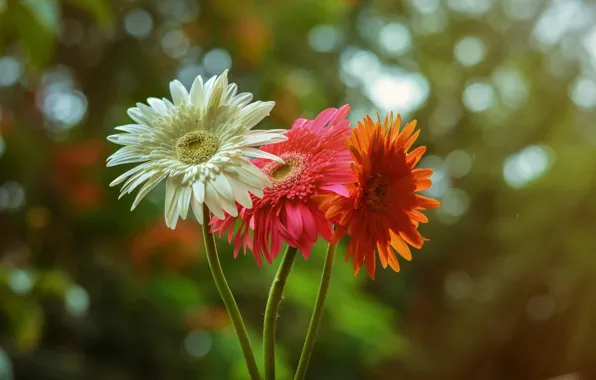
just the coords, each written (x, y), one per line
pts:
(263, 138)
(240, 193)
(197, 209)
(130, 172)
(197, 92)
(212, 200)
(123, 157)
(169, 105)
(223, 187)
(257, 153)
(242, 99)
(133, 128)
(220, 86)
(199, 191)
(124, 139)
(179, 93)
(158, 106)
(229, 206)
(136, 180)
(184, 200)
(148, 111)
(255, 112)
(139, 116)
(171, 204)
(147, 187)
(230, 93)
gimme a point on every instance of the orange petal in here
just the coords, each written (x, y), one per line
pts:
(411, 140)
(383, 254)
(424, 202)
(393, 262)
(412, 237)
(423, 184)
(418, 216)
(422, 173)
(415, 156)
(400, 246)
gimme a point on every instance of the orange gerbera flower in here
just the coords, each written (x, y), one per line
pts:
(383, 210)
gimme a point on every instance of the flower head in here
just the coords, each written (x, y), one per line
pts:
(316, 162)
(382, 211)
(199, 143)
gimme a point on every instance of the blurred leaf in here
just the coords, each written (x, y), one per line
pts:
(176, 290)
(98, 8)
(36, 30)
(53, 282)
(46, 12)
(28, 324)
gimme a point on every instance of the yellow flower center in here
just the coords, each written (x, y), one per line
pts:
(283, 171)
(196, 147)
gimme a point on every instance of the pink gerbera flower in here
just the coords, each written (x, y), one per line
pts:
(317, 162)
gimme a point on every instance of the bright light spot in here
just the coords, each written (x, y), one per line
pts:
(14, 196)
(138, 23)
(395, 38)
(187, 74)
(2, 6)
(441, 182)
(471, 7)
(403, 93)
(589, 42)
(324, 38)
(430, 23)
(478, 96)
(426, 6)
(4, 198)
(512, 86)
(5, 363)
(369, 24)
(526, 166)
(583, 93)
(359, 65)
(64, 106)
(557, 19)
(175, 43)
(10, 69)
(20, 281)
(459, 285)
(76, 300)
(445, 117)
(181, 10)
(470, 51)
(459, 163)
(198, 343)
(455, 202)
(216, 61)
(300, 82)
(520, 10)
(540, 308)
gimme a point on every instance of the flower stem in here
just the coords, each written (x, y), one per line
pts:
(315, 321)
(228, 297)
(273, 302)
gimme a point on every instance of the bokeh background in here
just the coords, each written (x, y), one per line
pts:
(503, 90)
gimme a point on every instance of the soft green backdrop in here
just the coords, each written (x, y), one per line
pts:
(503, 90)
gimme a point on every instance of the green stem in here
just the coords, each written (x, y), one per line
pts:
(228, 297)
(315, 321)
(273, 302)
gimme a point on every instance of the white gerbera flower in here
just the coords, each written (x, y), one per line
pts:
(201, 144)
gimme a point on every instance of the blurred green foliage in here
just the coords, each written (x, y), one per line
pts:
(503, 90)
